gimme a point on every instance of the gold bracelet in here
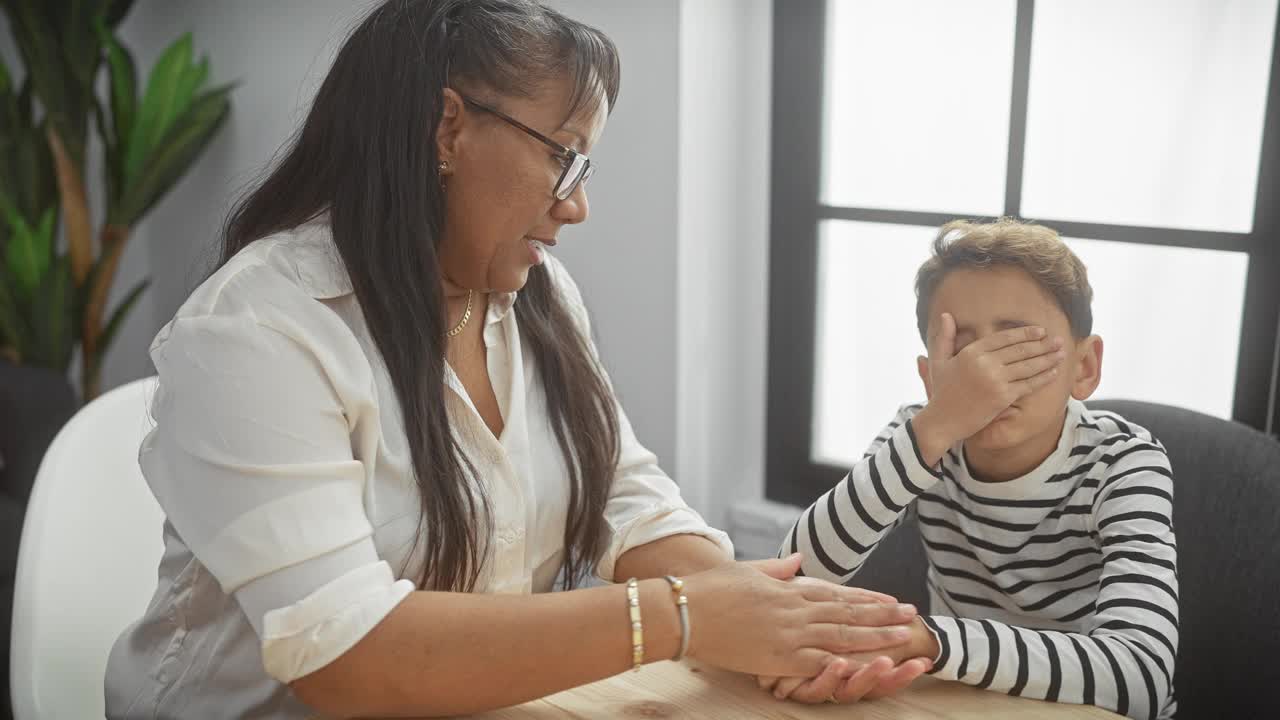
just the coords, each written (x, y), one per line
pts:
(637, 628)
(682, 607)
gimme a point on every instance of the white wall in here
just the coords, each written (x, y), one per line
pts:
(722, 255)
(672, 262)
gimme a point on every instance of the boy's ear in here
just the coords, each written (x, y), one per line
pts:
(922, 367)
(1088, 360)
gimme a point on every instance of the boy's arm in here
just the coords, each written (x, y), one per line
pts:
(967, 389)
(839, 531)
(1124, 661)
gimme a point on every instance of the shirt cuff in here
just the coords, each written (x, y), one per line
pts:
(663, 521)
(940, 637)
(299, 639)
(951, 647)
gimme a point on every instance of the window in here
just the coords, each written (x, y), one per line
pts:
(1148, 136)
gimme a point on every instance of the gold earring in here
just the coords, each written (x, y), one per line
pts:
(442, 167)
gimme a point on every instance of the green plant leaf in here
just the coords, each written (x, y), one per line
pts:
(45, 232)
(110, 158)
(10, 117)
(174, 154)
(119, 314)
(158, 106)
(13, 329)
(24, 106)
(123, 75)
(27, 175)
(53, 332)
(59, 66)
(86, 288)
(192, 80)
(28, 251)
(78, 42)
(115, 11)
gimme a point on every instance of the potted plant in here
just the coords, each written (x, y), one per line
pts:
(149, 141)
(53, 295)
(57, 262)
(37, 312)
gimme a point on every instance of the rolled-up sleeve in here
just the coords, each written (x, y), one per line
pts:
(644, 505)
(251, 459)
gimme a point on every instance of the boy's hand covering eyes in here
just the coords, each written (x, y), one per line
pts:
(970, 388)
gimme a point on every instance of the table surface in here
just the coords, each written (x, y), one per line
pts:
(692, 692)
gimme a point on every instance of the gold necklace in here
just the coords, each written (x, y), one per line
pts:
(466, 316)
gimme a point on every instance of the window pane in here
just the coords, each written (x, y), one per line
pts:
(1147, 113)
(867, 341)
(917, 104)
(1169, 320)
(1169, 317)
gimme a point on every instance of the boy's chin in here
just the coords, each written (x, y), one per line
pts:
(1003, 433)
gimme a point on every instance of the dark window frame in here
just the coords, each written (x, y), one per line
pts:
(799, 42)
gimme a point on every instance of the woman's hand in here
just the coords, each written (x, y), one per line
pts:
(747, 617)
(853, 677)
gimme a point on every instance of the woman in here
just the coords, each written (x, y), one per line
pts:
(383, 434)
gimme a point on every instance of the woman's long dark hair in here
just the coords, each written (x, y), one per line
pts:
(366, 155)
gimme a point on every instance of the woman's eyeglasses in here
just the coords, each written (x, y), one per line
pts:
(577, 167)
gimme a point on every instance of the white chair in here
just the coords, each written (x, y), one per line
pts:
(87, 564)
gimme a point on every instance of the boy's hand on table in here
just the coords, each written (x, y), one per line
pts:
(970, 388)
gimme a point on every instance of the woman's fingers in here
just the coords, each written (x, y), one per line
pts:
(842, 638)
(863, 681)
(817, 689)
(862, 614)
(897, 679)
(766, 682)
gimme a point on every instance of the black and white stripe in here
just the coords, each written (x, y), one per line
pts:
(1062, 587)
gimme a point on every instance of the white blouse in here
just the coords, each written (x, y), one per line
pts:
(281, 463)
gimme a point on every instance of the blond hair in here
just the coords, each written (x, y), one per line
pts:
(1034, 249)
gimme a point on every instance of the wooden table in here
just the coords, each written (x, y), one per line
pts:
(693, 692)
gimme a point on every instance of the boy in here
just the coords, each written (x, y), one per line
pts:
(1048, 526)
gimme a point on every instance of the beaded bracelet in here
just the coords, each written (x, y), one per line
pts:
(637, 628)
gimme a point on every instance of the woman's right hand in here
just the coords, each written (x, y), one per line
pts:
(745, 616)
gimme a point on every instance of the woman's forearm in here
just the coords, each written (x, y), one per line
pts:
(452, 653)
(455, 653)
(675, 555)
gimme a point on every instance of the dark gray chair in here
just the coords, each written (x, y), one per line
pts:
(1226, 513)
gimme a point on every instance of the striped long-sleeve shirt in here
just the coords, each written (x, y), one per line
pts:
(1059, 585)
